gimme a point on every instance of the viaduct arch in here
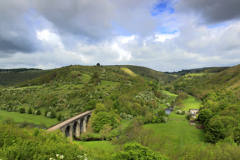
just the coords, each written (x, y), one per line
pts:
(73, 126)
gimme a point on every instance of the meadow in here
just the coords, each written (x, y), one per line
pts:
(30, 118)
(191, 103)
(178, 133)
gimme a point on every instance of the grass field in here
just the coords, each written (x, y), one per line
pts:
(31, 118)
(173, 115)
(191, 103)
(172, 95)
(178, 132)
(98, 145)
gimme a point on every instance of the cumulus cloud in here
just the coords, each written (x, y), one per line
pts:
(160, 34)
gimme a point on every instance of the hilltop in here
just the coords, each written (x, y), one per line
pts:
(149, 73)
(201, 84)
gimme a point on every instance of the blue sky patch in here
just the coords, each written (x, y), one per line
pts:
(162, 7)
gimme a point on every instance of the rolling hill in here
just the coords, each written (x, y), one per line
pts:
(9, 77)
(149, 73)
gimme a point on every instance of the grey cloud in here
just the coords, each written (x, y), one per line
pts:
(212, 11)
(97, 20)
(16, 31)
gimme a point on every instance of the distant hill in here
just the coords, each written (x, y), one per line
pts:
(199, 86)
(9, 77)
(147, 72)
(199, 70)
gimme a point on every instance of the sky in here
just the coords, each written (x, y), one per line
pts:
(164, 35)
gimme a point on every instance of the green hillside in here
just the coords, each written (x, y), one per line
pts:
(199, 70)
(9, 77)
(220, 108)
(150, 73)
(71, 90)
(125, 100)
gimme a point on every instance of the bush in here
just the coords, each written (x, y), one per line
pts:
(183, 113)
(30, 111)
(154, 119)
(178, 112)
(136, 151)
(22, 110)
(59, 117)
(53, 114)
(38, 112)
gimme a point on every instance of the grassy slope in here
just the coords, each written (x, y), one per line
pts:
(36, 119)
(172, 95)
(62, 90)
(150, 73)
(191, 103)
(128, 71)
(12, 78)
(179, 132)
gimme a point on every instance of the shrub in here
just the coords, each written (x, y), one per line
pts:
(38, 112)
(59, 117)
(154, 119)
(183, 113)
(136, 151)
(53, 114)
(178, 112)
(22, 110)
(30, 111)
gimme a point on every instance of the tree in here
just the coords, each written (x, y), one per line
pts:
(59, 118)
(53, 114)
(38, 112)
(102, 118)
(205, 115)
(99, 108)
(22, 110)
(98, 64)
(104, 133)
(30, 111)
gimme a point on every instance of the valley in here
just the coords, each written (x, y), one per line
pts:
(128, 104)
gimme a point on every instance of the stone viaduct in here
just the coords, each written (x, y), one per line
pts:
(73, 126)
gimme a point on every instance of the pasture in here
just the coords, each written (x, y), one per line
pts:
(31, 118)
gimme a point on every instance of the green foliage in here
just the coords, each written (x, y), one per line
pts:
(30, 111)
(183, 113)
(205, 115)
(220, 127)
(35, 144)
(38, 112)
(154, 118)
(53, 114)
(99, 108)
(11, 77)
(237, 135)
(59, 117)
(102, 118)
(135, 151)
(22, 110)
